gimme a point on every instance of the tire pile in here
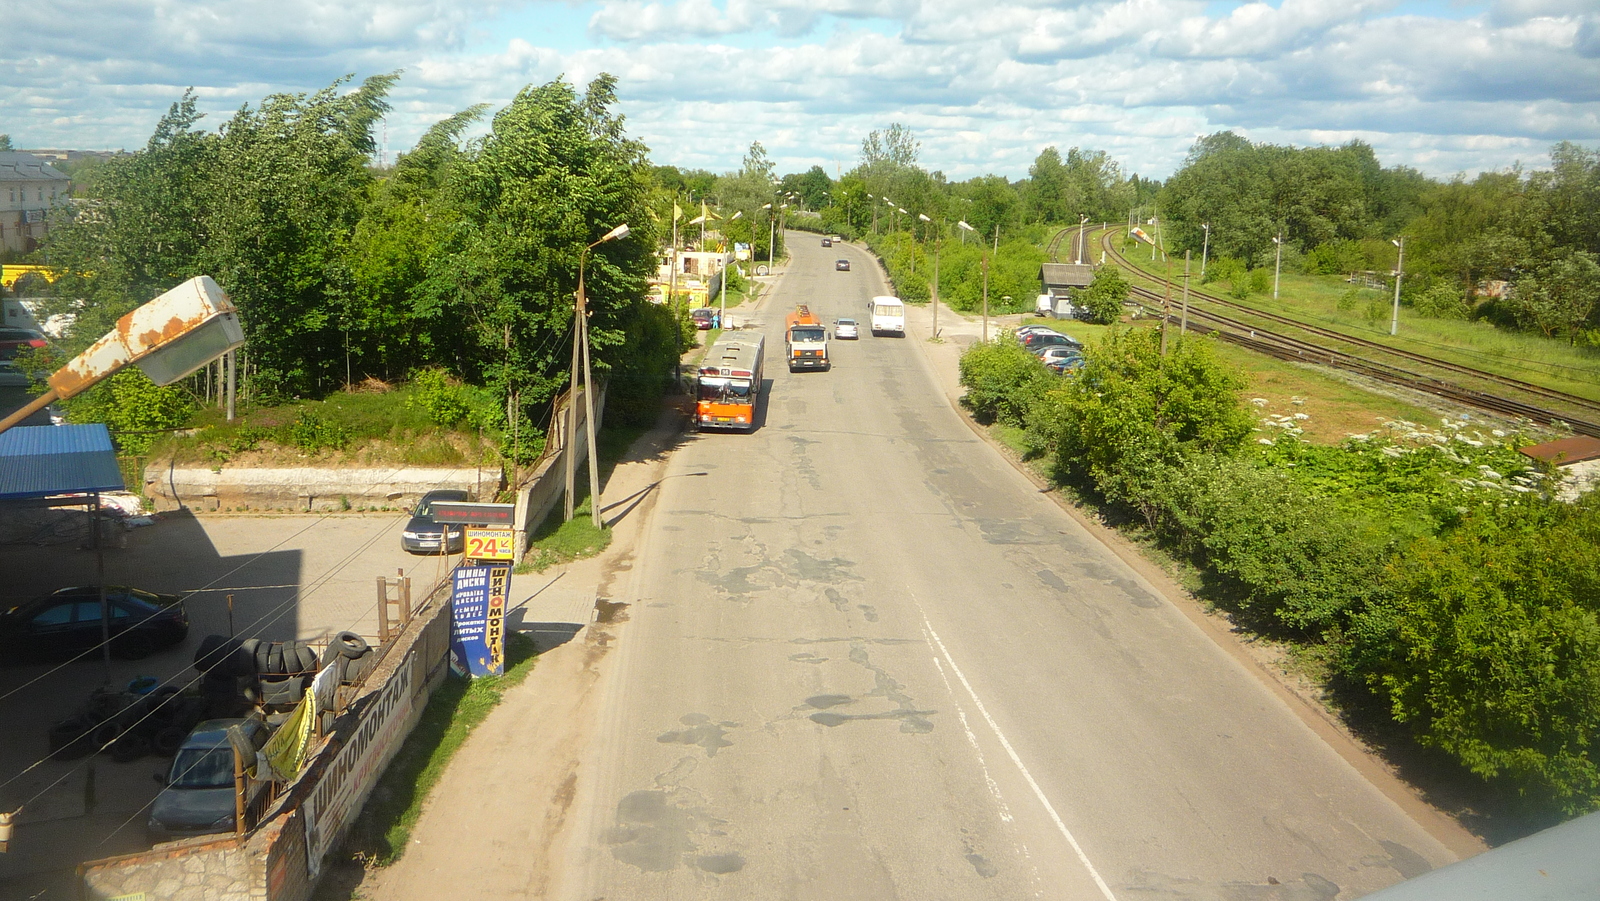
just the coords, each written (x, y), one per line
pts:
(127, 725)
(237, 676)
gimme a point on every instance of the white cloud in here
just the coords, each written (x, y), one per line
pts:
(985, 87)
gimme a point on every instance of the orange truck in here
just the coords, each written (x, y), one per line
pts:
(805, 340)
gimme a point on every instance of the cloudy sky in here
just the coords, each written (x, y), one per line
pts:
(1443, 85)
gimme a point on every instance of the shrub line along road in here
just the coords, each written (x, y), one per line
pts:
(865, 657)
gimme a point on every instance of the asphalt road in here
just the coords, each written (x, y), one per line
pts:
(866, 659)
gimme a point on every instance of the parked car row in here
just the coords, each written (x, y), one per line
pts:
(1060, 352)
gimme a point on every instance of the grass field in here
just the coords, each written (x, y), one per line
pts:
(1329, 302)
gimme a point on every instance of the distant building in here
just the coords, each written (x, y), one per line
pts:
(1059, 278)
(1577, 463)
(29, 188)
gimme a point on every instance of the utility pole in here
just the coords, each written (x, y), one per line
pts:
(580, 342)
(1166, 309)
(1277, 267)
(985, 299)
(1183, 326)
(1203, 248)
(1399, 273)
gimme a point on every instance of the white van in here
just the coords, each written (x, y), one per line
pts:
(888, 316)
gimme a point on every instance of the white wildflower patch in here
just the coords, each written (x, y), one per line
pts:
(1259, 401)
(1266, 441)
(1302, 416)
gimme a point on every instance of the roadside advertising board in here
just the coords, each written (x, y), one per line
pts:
(477, 619)
(333, 804)
(491, 545)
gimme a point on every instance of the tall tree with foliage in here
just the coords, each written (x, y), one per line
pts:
(555, 173)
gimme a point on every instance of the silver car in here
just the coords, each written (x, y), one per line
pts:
(199, 797)
(845, 329)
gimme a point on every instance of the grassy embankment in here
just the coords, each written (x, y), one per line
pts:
(1328, 301)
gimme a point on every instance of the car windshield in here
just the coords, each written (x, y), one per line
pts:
(847, 322)
(202, 768)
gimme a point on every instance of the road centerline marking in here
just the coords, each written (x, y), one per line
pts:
(1012, 753)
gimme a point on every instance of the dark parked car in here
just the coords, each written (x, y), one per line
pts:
(199, 797)
(1036, 340)
(69, 622)
(841, 265)
(422, 535)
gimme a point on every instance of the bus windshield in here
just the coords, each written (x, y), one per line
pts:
(726, 390)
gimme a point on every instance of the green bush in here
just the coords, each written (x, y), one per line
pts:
(1223, 269)
(439, 397)
(312, 431)
(1130, 409)
(1002, 378)
(1292, 558)
(1441, 301)
(1489, 647)
(135, 410)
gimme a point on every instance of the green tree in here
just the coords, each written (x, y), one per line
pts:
(1105, 296)
(1559, 297)
(555, 173)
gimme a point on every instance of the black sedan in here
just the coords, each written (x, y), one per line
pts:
(422, 535)
(70, 622)
(841, 265)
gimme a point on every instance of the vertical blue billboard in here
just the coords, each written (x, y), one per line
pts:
(477, 619)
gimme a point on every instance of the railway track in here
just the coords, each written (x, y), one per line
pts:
(1532, 402)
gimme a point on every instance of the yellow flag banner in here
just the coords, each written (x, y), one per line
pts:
(677, 213)
(285, 751)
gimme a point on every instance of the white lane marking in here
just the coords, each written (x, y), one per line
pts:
(1037, 791)
(972, 738)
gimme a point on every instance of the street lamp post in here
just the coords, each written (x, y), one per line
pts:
(1277, 267)
(580, 343)
(1399, 273)
(1203, 248)
(938, 235)
(1081, 237)
(964, 228)
(722, 317)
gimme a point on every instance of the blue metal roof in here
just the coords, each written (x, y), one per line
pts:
(38, 461)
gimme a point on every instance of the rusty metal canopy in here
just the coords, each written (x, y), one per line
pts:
(1566, 451)
(39, 461)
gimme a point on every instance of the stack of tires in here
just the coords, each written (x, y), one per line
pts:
(128, 725)
(276, 673)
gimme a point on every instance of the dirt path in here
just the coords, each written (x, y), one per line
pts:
(503, 799)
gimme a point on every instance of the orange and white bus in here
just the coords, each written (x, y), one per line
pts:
(805, 340)
(728, 384)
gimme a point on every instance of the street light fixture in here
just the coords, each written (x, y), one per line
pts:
(580, 343)
(1399, 273)
(169, 338)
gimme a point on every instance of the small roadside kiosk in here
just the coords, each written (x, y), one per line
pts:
(479, 585)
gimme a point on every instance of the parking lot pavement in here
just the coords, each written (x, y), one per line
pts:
(291, 576)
